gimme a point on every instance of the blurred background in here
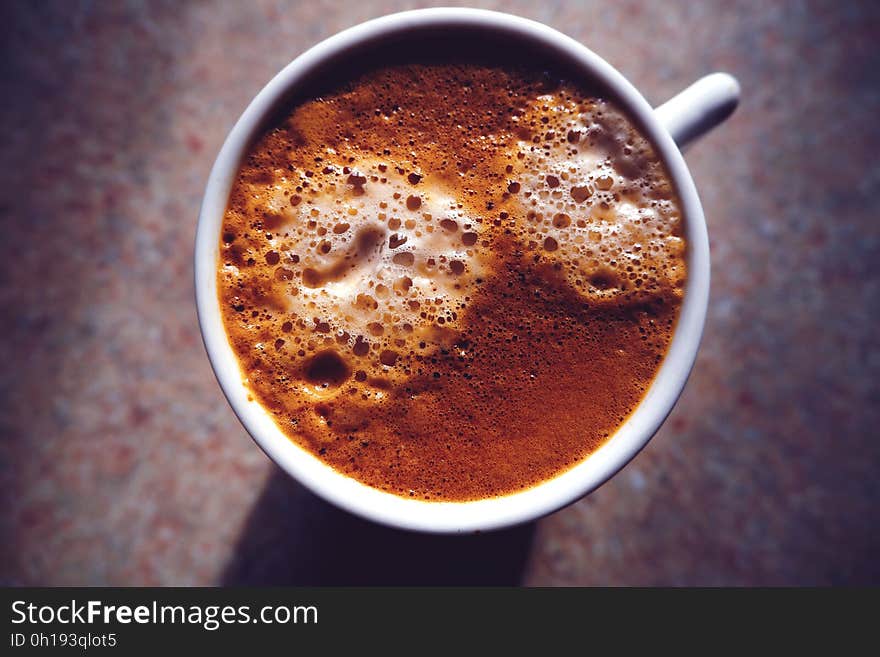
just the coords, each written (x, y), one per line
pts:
(121, 463)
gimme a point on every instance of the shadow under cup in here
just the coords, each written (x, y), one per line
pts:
(494, 39)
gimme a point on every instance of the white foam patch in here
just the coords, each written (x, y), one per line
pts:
(371, 253)
(596, 201)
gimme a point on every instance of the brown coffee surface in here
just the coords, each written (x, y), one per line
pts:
(451, 282)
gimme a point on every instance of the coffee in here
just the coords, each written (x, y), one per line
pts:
(451, 282)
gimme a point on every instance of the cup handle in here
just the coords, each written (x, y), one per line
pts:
(699, 108)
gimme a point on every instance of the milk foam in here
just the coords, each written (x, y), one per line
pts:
(596, 202)
(372, 255)
(411, 265)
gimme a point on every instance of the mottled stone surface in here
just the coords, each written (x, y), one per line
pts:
(120, 462)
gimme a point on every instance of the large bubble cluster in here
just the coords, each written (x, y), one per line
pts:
(371, 260)
(597, 202)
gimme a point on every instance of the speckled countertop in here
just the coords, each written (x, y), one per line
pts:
(121, 463)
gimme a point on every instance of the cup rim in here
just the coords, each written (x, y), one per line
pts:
(486, 514)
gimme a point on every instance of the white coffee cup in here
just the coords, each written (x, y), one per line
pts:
(669, 127)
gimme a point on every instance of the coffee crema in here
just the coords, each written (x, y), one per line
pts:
(451, 282)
